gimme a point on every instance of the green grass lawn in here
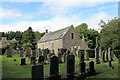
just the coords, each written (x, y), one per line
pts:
(11, 69)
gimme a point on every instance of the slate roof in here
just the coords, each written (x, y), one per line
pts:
(55, 35)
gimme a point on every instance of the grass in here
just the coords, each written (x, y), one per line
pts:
(11, 69)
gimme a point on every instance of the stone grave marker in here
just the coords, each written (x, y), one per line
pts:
(110, 54)
(8, 52)
(110, 64)
(119, 59)
(81, 55)
(54, 68)
(37, 72)
(21, 52)
(28, 52)
(87, 54)
(103, 56)
(70, 67)
(41, 60)
(82, 68)
(91, 67)
(65, 54)
(23, 61)
(39, 52)
(107, 56)
(97, 55)
(59, 56)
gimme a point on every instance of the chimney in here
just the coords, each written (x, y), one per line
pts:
(46, 31)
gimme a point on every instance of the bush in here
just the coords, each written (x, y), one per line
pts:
(91, 53)
(116, 52)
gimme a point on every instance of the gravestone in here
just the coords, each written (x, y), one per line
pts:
(28, 52)
(91, 67)
(97, 55)
(74, 51)
(8, 52)
(65, 54)
(110, 54)
(87, 54)
(82, 68)
(70, 67)
(33, 53)
(110, 64)
(54, 68)
(41, 60)
(45, 52)
(33, 60)
(59, 55)
(103, 56)
(39, 52)
(37, 72)
(107, 56)
(21, 52)
(23, 61)
(100, 52)
(81, 55)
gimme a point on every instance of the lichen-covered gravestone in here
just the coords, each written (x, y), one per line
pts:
(37, 72)
(54, 68)
(70, 67)
(28, 52)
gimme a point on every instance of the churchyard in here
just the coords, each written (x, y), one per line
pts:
(52, 67)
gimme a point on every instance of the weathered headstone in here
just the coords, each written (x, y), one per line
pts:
(82, 68)
(23, 61)
(87, 54)
(39, 52)
(33, 53)
(8, 52)
(28, 52)
(70, 67)
(107, 56)
(110, 54)
(74, 51)
(21, 52)
(59, 56)
(97, 55)
(65, 54)
(41, 59)
(45, 52)
(37, 72)
(103, 56)
(54, 68)
(81, 55)
(110, 64)
(91, 67)
(33, 60)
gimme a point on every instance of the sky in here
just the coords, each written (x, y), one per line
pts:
(18, 15)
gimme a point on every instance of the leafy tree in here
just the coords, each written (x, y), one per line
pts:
(110, 34)
(89, 34)
(29, 37)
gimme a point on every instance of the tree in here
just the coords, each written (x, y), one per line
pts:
(89, 34)
(29, 37)
(110, 34)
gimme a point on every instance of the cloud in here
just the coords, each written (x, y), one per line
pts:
(94, 20)
(5, 13)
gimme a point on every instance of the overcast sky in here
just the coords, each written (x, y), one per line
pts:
(53, 15)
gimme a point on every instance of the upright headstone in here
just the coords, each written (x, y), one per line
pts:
(82, 68)
(8, 52)
(97, 60)
(37, 72)
(103, 56)
(70, 67)
(21, 52)
(74, 51)
(59, 55)
(41, 60)
(100, 52)
(28, 52)
(110, 54)
(39, 52)
(23, 61)
(54, 68)
(33, 57)
(110, 64)
(106, 56)
(81, 55)
(65, 54)
(87, 54)
(91, 67)
(45, 52)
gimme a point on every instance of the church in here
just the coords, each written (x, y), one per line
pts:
(66, 38)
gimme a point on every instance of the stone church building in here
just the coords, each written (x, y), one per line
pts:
(66, 38)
